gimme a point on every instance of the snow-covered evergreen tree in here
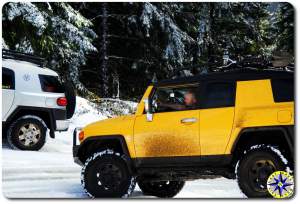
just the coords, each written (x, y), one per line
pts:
(285, 26)
(137, 42)
(233, 26)
(177, 41)
(53, 30)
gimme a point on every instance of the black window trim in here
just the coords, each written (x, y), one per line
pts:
(5, 69)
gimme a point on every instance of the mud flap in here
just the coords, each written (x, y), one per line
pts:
(52, 134)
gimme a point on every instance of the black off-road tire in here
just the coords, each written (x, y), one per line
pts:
(256, 165)
(105, 174)
(161, 189)
(14, 133)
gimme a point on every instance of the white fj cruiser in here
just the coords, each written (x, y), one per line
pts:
(33, 100)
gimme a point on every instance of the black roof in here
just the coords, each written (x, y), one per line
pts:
(238, 75)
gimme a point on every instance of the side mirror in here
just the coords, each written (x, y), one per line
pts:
(147, 104)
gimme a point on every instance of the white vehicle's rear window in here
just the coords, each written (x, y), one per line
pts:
(51, 84)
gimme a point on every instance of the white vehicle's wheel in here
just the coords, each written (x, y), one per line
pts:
(27, 133)
(106, 174)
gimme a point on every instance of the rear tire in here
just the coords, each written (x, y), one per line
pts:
(106, 175)
(256, 166)
(161, 189)
(27, 133)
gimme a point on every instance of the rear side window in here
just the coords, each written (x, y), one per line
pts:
(283, 89)
(51, 84)
(8, 79)
(218, 94)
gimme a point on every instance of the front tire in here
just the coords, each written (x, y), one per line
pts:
(255, 168)
(161, 189)
(106, 175)
(27, 133)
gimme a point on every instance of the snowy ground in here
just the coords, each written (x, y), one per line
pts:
(51, 172)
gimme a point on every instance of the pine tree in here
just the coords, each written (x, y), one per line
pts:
(285, 25)
(232, 26)
(141, 41)
(53, 30)
(158, 39)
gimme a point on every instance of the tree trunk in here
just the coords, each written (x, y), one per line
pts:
(211, 30)
(116, 85)
(211, 47)
(104, 58)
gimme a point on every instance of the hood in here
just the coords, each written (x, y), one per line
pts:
(113, 126)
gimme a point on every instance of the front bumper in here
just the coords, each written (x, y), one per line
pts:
(76, 146)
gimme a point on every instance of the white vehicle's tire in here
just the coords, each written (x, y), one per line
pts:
(106, 175)
(27, 133)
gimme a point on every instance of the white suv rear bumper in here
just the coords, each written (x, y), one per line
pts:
(62, 125)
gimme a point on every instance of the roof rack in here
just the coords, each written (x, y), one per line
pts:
(248, 64)
(11, 54)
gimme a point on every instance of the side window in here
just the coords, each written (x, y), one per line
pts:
(218, 94)
(169, 99)
(51, 84)
(8, 79)
(283, 89)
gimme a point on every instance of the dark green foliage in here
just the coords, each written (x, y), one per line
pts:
(137, 42)
(285, 25)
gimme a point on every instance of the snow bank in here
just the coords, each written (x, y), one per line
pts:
(86, 112)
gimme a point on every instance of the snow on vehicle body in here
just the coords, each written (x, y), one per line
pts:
(31, 93)
(170, 140)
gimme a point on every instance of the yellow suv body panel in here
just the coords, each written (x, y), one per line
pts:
(166, 135)
(214, 138)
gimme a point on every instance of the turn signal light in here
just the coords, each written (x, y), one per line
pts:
(81, 136)
(62, 101)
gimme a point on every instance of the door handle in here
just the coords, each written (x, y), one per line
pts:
(188, 120)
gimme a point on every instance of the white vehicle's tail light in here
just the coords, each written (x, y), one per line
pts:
(62, 101)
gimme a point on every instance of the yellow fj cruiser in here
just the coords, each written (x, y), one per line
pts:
(233, 124)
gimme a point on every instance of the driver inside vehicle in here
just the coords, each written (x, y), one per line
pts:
(189, 102)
